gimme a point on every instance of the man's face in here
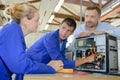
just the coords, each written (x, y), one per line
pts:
(91, 18)
(65, 31)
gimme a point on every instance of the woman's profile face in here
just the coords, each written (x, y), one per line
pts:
(33, 23)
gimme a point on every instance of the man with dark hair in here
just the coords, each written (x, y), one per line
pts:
(52, 46)
(93, 26)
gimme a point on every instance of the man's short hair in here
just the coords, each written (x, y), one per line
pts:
(71, 22)
(94, 8)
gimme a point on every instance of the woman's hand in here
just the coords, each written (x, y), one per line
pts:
(56, 64)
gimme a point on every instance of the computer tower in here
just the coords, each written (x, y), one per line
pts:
(105, 48)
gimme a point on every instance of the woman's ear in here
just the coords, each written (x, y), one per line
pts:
(23, 21)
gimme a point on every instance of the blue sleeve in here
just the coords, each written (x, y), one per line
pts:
(14, 56)
(52, 46)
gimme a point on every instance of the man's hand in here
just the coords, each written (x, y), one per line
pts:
(92, 32)
(83, 34)
(95, 32)
(91, 58)
(56, 64)
(88, 59)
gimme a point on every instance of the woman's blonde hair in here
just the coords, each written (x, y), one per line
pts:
(20, 10)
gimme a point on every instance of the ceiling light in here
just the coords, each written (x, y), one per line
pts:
(116, 4)
(108, 10)
(110, 6)
(46, 27)
(58, 5)
(51, 18)
(116, 23)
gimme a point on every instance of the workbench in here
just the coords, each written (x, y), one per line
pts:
(76, 75)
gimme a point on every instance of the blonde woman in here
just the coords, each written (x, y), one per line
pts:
(13, 57)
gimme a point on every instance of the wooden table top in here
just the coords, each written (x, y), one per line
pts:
(77, 75)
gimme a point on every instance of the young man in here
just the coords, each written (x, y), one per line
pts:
(52, 46)
(93, 26)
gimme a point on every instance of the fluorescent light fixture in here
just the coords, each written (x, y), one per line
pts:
(110, 6)
(58, 5)
(103, 13)
(115, 4)
(116, 23)
(46, 27)
(51, 18)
